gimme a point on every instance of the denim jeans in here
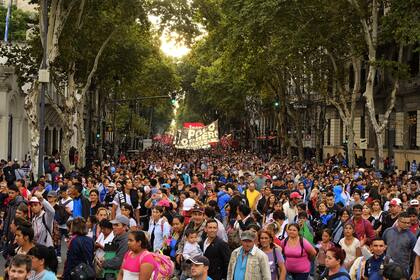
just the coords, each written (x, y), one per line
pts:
(63, 233)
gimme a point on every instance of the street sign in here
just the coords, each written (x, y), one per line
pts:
(363, 143)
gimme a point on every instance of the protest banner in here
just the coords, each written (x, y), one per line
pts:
(195, 138)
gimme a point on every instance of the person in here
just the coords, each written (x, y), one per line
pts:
(105, 237)
(362, 227)
(395, 208)
(298, 252)
(137, 263)
(216, 250)
(14, 201)
(128, 195)
(334, 265)
(248, 262)
(252, 196)
(120, 242)
(416, 267)
(24, 238)
(159, 229)
(177, 229)
(127, 210)
(95, 204)
(393, 271)
(42, 220)
(323, 246)
(338, 227)
(372, 268)
(400, 242)
(199, 268)
(20, 267)
(351, 245)
(290, 207)
(275, 257)
(81, 205)
(80, 247)
(44, 263)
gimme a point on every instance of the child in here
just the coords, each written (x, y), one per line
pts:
(127, 210)
(191, 250)
(323, 246)
(191, 247)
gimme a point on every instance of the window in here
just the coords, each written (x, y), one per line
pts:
(412, 129)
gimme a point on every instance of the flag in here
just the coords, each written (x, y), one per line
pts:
(6, 28)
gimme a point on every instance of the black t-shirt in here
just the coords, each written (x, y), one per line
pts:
(388, 222)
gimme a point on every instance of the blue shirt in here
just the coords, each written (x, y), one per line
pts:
(373, 268)
(49, 276)
(77, 207)
(240, 266)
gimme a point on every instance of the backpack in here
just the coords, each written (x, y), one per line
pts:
(234, 240)
(163, 266)
(54, 232)
(61, 215)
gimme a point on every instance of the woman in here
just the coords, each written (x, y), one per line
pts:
(275, 258)
(269, 207)
(137, 259)
(24, 238)
(105, 237)
(321, 218)
(298, 252)
(80, 248)
(351, 245)
(94, 201)
(127, 210)
(176, 235)
(44, 263)
(159, 229)
(334, 262)
(338, 227)
(405, 199)
(366, 213)
(377, 215)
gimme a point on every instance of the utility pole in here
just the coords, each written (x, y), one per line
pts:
(44, 79)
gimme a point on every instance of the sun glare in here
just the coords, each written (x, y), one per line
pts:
(172, 48)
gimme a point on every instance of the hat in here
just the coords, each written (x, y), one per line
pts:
(120, 219)
(34, 199)
(395, 201)
(197, 208)
(112, 184)
(248, 235)
(295, 195)
(188, 204)
(199, 260)
(414, 202)
(274, 178)
(53, 193)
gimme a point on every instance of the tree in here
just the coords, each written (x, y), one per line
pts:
(19, 23)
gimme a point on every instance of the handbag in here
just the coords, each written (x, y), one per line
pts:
(82, 271)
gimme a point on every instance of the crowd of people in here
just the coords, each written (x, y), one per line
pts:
(168, 214)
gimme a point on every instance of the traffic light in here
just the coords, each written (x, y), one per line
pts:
(277, 102)
(173, 98)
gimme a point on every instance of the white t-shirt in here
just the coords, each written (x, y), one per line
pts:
(102, 241)
(350, 249)
(417, 247)
(116, 202)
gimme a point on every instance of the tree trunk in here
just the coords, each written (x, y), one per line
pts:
(81, 134)
(380, 138)
(299, 143)
(350, 145)
(31, 110)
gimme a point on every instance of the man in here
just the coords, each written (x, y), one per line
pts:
(373, 267)
(263, 200)
(199, 268)
(9, 173)
(110, 195)
(331, 206)
(394, 210)
(248, 262)
(244, 218)
(42, 220)
(260, 180)
(20, 267)
(290, 208)
(127, 195)
(216, 250)
(14, 201)
(210, 213)
(416, 269)
(197, 184)
(400, 241)
(414, 220)
(81, 205)
(252, 196)
(362, 227)
(119, 227)
(197, 223)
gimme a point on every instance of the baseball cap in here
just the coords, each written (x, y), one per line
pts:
(34, 199)
(112, 184)
(53, 193)
(248, 235)
(188, 204)
(414, 202)
(197, 208)
(199, 260)
(395, 201)
(295, 195)
(120, 219)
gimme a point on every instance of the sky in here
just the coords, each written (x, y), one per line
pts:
(172, 48)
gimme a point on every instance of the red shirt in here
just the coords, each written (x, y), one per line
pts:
(363, 228)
